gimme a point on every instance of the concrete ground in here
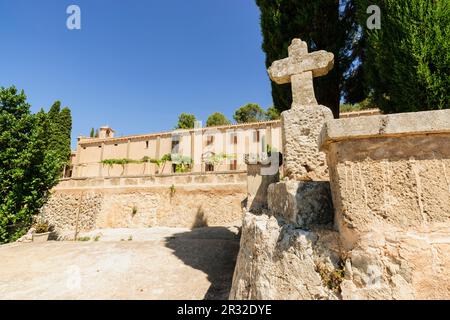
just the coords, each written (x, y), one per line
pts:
(156, 263)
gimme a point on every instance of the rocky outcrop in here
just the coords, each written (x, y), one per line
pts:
(290, 251)
(278, 261)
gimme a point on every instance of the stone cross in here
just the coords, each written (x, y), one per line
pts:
(299, 69)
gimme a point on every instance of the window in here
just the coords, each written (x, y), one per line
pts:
(209, 167)
(209, 140)
(116, 145)
(175, 146)
(233, 165)
(146, 144)
(234, 139)
(256, 136)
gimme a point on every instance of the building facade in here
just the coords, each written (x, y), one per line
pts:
(210, 149)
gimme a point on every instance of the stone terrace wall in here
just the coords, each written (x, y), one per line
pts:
(182, 200)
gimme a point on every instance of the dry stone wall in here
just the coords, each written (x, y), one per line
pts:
(181, 201)
(72, 210)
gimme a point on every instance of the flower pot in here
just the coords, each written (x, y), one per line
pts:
(40, 237)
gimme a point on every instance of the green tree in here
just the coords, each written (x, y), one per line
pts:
(28, 168)
(60, 131)
(186, 121)
(217, 119)
(324, 25)
(407, 64)
(53, 113)
(251, 112)
(273, 113)
(65, 122)
(92, 134)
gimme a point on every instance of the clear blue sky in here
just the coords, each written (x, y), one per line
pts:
(135, 65)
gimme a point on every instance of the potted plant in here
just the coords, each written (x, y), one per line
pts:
(41, 232)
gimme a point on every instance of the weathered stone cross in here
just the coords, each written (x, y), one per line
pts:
(300, 68)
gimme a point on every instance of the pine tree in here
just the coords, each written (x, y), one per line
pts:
(92, 134)
(251, 112)
(186, 121)
(217, 119)
(272, 113)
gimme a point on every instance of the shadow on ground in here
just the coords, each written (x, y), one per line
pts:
(212, 250)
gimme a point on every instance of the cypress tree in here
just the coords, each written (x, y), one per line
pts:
(53, 114)
(324, 25)
(59, 131)
(65, 122)
(407, 65)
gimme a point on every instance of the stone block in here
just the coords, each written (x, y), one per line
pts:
(393, 125)
(303, 203)
(257, 185)
(301, 128)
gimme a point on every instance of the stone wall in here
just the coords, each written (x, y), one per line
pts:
(185, 200)
(389, 234)
(73, 210)
(391, 193)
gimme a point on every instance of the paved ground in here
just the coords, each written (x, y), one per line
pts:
(158, 263)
